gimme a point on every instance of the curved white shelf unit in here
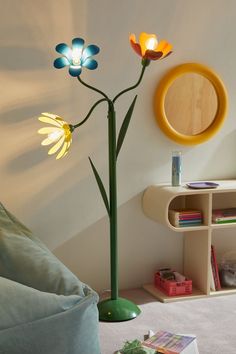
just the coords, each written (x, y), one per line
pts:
(158, 199)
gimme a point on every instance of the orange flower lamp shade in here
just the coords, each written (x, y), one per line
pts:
(149, 48)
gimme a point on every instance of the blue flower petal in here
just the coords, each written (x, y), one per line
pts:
(61, 62)
(89, 51)
(77, 43)
(75, 70)
(63, 49)
(90, 64)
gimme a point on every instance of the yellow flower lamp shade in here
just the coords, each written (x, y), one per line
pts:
(59, 133)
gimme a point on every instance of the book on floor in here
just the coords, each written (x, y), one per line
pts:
(162, 342)
(171, 343)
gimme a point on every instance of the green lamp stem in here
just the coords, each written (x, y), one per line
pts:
(131, 87)
(113, 199)
(115, 308)
(92, 88)
(89, 113)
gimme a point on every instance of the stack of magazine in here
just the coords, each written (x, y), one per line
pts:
(187, 218)
(224, 216)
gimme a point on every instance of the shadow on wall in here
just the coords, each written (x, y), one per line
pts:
(228, 143)
(20, 58)
(67, 200)
(216, 166)
(25, 111)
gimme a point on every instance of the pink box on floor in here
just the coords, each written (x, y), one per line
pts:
(172, 287)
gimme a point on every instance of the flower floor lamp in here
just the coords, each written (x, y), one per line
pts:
(60, 134)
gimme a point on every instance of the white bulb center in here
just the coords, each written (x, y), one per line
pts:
(54, 136)
(76, 56)
(151, 43)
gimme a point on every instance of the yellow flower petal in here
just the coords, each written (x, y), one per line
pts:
(57, 146)
(48, 130)
(63, 151)
(50, 115)
(68, 137)
(51, 121)
(47, 141)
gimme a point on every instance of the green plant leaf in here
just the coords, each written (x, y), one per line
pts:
(124, 126)
(133, 347)
(100, 186)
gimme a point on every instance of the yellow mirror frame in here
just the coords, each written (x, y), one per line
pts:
(159, 103)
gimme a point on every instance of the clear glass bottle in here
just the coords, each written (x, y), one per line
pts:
(176, 168)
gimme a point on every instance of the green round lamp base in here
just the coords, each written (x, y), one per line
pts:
(117, 310)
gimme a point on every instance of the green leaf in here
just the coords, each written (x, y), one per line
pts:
(133, 347)
(100, 186)
(124, 126)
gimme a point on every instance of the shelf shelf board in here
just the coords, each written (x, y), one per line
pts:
(223, 291)
(189, 228)
(223, 226)
(165, 298)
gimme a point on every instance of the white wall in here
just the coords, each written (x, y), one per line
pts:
(59, 200)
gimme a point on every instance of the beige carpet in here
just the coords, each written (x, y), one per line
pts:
(212, 320)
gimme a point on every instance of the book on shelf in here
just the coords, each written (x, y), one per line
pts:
(212, 280)
(222, 216)
(185, 218)
(215, 270)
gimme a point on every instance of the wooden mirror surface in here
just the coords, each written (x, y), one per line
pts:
(190, 103)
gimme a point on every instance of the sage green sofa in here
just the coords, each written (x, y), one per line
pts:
(44, 308)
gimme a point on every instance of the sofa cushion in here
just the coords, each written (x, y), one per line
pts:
(23, 304)
(42, 323)
(25, 259)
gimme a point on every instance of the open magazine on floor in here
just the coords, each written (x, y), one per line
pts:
(162, 342)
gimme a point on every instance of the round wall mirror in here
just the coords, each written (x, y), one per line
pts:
(190, 103)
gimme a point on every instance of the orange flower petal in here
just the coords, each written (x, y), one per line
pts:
(167, 50)
(166, 55)
(135, 45)
(144, 40)
(152, 55)
(161, 45)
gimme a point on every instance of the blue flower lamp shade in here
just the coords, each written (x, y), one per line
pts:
(59, 135)
(76, 57)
